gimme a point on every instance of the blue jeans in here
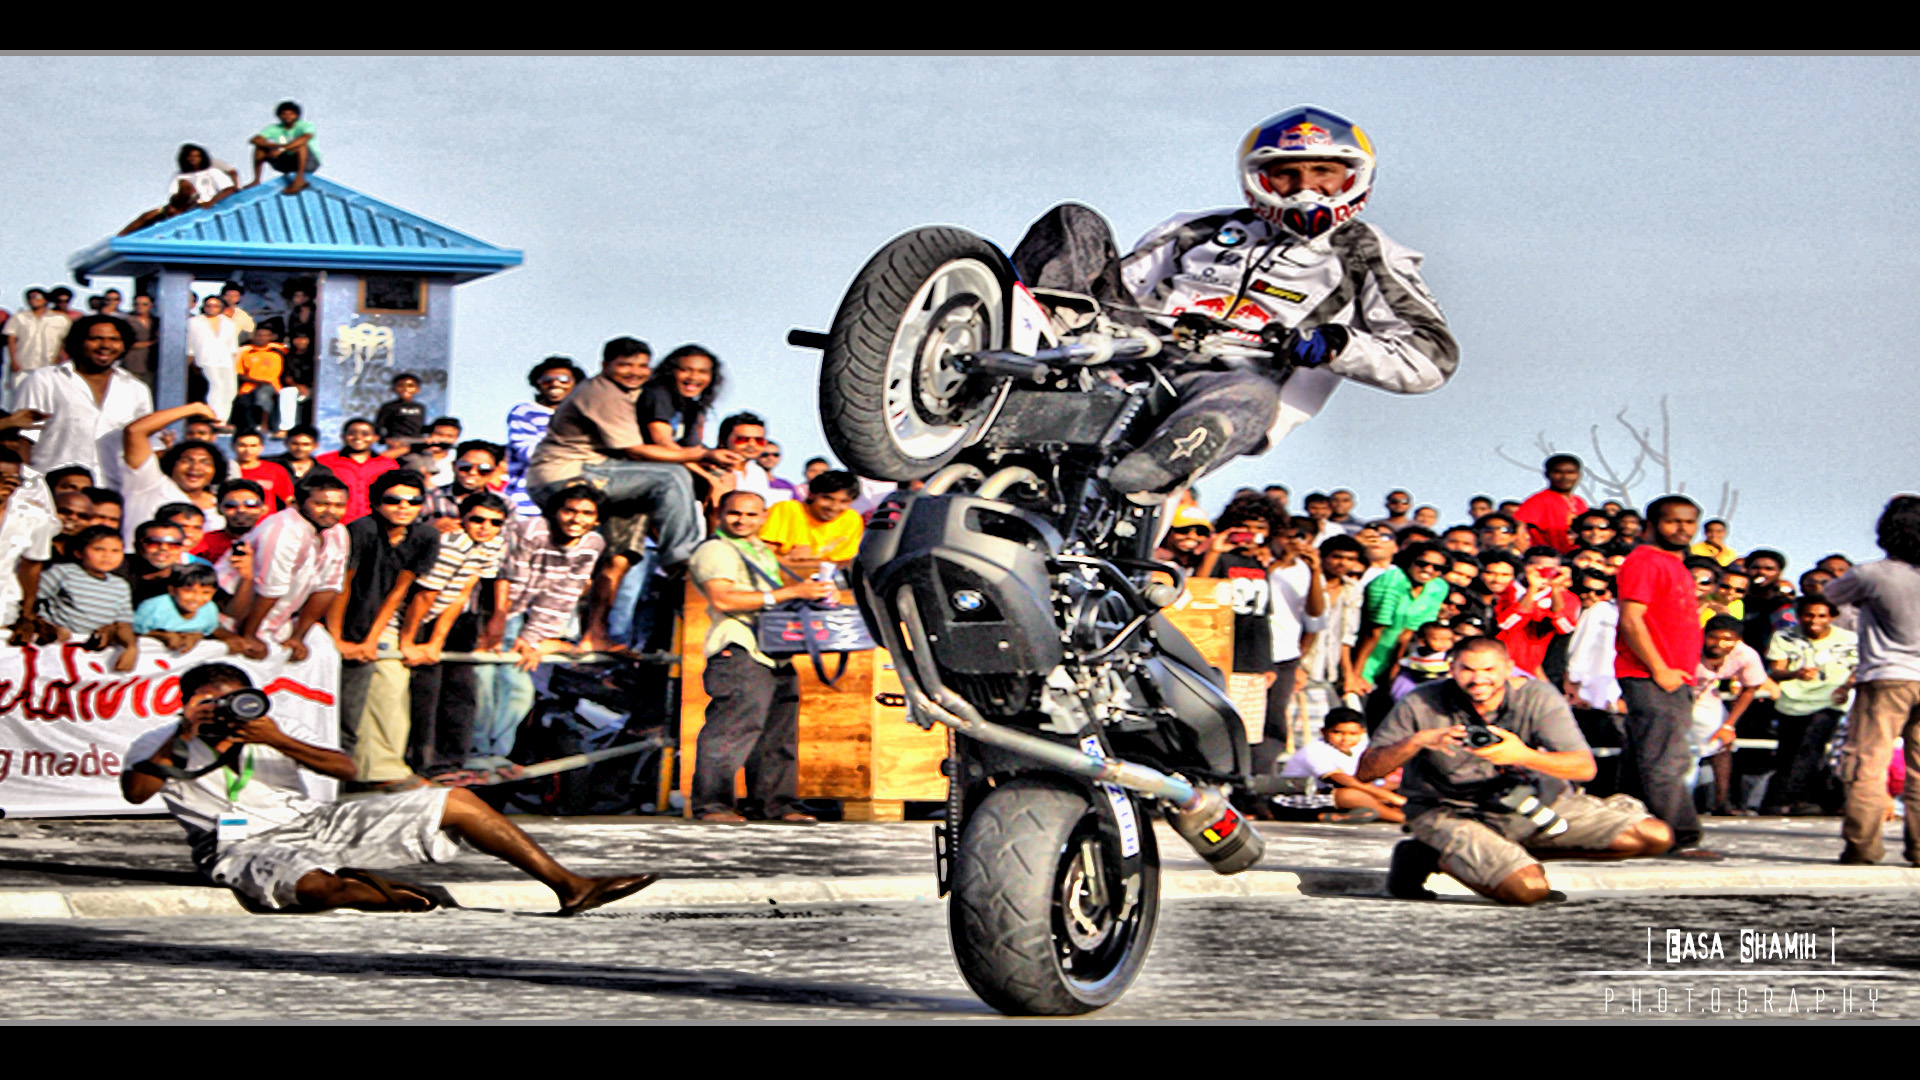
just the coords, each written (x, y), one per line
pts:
(503, 695)
(666, 490)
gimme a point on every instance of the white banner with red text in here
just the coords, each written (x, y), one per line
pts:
(67, 718)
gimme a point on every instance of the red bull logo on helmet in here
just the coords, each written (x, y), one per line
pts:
(1303, 136)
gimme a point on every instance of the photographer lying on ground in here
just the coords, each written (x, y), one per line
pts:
(1477, 811)
(232, 779)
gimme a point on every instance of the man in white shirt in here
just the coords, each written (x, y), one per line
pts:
(26, 543)
(237, 787)
(34, 336)
(86, 397)
(1297, 608)
(299, 566)
(211, 346)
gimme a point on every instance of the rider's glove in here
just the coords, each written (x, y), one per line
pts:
(1307, 348)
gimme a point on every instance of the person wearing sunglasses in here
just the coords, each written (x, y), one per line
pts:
(242, 503)
(476, 468)
(1499, 532)
(745, 434)
(1406, 596)
(389, 550)
(469, 561)
(769, 460)
(552, 380)
(1186, 542)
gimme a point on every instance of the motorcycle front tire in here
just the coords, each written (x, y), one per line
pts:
(891, 406)
(1020, 881)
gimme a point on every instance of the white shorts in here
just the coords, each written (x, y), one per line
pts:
(370, 833)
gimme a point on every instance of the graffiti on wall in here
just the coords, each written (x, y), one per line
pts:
(358, 345)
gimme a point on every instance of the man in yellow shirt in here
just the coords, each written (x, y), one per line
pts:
(1715, 545)
(823, 527)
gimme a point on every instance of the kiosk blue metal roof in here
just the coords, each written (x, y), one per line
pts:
(329, 226)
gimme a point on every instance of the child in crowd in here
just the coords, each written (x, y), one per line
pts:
(1331, 760)
(260, 364)
(402, 419)
(88, 596)
(1425, 659)
(185, 614)
(1730, 677)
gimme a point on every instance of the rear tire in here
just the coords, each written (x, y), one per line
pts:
(893, 409)
(1031, 934)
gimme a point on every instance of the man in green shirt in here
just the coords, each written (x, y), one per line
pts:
(288, 147)
(1398, 602)
(1814, 663)
(753, 718)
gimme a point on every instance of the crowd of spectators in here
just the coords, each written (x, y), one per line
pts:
(1708, 680)
(131, 529)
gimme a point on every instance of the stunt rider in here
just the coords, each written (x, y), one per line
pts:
(1293, 269)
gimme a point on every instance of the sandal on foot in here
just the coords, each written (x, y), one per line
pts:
(607, 890)
(401, 896)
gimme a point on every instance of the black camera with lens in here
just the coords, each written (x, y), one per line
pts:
(231, 712)
(1480, 735)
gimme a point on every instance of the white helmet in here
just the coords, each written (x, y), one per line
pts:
(1306, 133)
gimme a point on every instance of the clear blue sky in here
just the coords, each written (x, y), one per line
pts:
(1736, 234)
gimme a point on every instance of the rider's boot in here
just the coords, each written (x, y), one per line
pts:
(1413, 862)
(1175, 453)
(1222, 415)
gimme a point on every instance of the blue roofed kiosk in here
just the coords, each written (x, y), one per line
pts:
(383, 285)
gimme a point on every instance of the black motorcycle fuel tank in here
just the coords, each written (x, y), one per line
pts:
(978, 568)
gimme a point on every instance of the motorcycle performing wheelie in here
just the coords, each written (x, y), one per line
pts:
(1051, 402)
(1018, 596)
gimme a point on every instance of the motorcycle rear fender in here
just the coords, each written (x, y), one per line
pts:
(1203, 710)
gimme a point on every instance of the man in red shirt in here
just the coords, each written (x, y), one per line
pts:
(1657, 654)
(356, 465)
(1532, 612)
(1548, 515)
(271, 476)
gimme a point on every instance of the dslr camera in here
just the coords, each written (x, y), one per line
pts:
(231, 712)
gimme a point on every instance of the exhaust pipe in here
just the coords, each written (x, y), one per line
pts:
(1201, 815)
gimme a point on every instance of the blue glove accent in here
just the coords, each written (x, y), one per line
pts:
(1312, 348)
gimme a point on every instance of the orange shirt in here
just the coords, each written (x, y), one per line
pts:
(260, 364)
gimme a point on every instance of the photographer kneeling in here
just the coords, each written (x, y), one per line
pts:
(232, 779)
(1488, 758)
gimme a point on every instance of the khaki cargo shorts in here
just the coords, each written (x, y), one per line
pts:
(1478, 855)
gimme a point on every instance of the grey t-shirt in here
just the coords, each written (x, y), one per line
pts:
(1886, 593)
(1533, 710)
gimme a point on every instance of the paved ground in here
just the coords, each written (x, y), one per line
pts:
(1267, 960)
(1325, 951)
(111, 853)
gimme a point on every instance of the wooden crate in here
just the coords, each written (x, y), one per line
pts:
(869, 756)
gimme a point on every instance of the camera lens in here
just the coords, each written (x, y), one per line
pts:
(246, 704)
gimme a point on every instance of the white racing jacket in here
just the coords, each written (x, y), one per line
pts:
(1220, 259)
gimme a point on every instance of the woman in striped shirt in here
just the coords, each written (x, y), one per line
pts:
(552, 380)
(86, 597)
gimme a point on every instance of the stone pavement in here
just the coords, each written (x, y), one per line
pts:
(128, 867)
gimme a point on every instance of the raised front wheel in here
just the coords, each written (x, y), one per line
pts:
(891, 401)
